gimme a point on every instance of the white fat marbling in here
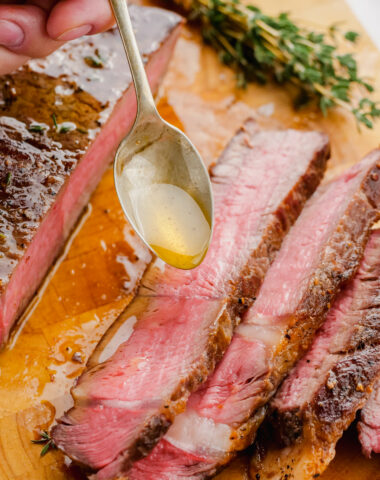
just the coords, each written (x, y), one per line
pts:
(191, 432)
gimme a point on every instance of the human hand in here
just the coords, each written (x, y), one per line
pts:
(35, 28)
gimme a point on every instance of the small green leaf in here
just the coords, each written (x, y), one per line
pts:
(241, 80)
(8, 179)
(46, 448)
(54, 120)
(94, 62)
(367, 86)
(351, 36)
(253, 8)
(225, 58)
(365, 102)
(64, 129)
(39, 441)
(315, 37)
(325, 103)
(349, 62)
(375, 111)
(340, 91)
(44, 437)
(361, 118)
(263, 55)
(312, 75)
(35, 127)
(302, 52)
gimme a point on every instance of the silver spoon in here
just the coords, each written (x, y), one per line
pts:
(162, 183)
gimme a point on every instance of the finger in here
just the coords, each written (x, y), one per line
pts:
(23, 31)
(46, 5)
(71, 19)
(10, 61)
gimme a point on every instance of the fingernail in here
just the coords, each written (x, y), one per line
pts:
(75, 33)
(11, 34)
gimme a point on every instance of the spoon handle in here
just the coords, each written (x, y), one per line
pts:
(145, 101)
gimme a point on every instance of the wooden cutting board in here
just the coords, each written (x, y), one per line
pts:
(90, 286)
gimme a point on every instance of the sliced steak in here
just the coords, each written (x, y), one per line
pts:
(369, 424)
(321, 252)
(61, 120)
(184, 320)
(322, 394)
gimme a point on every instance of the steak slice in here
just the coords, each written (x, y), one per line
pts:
(369, 424)
(61, 120)
(320, 253)
(184, 320)
(322, 394)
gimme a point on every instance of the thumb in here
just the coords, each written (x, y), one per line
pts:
(70, 19)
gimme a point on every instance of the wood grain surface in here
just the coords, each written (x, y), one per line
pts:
(93, 281)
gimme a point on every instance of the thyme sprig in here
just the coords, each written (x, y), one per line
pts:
(46, 441)
(263, 47)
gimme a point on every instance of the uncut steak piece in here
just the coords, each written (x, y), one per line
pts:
(320, 253)
(141, 377)
(61, 120)
(369, 424)
(322, 394)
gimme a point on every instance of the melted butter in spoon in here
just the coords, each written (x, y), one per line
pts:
(172, 223)
(164, 205)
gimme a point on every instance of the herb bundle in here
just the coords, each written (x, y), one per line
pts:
(263, 47)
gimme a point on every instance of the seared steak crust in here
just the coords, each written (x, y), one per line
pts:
(369, 424)
(346, 390)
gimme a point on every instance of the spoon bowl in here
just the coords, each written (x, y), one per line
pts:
(165, 192)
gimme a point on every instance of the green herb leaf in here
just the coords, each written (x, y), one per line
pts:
(54, 120)
(8, 179)
(325, 104)
(35, 127)
(363, 118)
(349, 62)
(66, 127)
(351, 36)
(94, 62)
(50, 445)
(44, 437)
